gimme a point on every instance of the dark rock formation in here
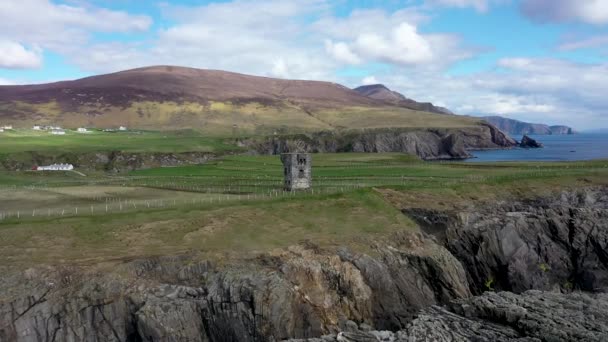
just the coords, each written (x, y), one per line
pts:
(549, 244)
(411, 288)
(515, 127)
(429, 144)
(527, 142)
(533, 316)
(300, 292)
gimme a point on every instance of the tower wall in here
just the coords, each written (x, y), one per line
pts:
(297, 169)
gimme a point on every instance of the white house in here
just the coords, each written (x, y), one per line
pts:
(1, 130)
(55, 167)
(37, 128)
(122, 128)
(58, 132)
(7, 127)
(82, 130)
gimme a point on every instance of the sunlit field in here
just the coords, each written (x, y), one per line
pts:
(237, 204)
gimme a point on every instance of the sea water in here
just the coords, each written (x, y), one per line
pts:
(557, 148)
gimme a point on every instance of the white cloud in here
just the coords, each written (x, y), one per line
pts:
(586, 43)
(545, 90)
(586, 11)
(479, 5)
(403, 45)
(377, 36)
(296, 39)
(369, 80)
(15, 56)
(58, 27)
(4, 81)
(341, 52)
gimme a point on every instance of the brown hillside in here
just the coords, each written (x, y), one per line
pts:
(381, 93)
(216, 102)
(172, 83)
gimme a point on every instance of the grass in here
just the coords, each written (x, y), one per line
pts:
(19, 141)
(357, 197)
(218, 118)
(237, 228)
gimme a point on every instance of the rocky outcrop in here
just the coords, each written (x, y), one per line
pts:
(430, 144)
(409, 287)
(527, 142)
(555, 243)
(114, 161)
(562, 130)
(515, 127)
(300, 292)
(533, 316)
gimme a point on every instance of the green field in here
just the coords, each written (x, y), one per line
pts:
(16, 141)
(235, 205)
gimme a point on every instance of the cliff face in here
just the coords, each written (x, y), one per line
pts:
(415, 285)
(300, 292)
(561, 130)
(427, 144)
(516, 127)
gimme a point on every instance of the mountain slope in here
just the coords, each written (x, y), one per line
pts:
(211, 101)
(516, 127)
(188, 83)
(381, 93)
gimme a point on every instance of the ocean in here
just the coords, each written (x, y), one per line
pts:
(557, 148)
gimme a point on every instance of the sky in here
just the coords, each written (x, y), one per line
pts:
(533, 60)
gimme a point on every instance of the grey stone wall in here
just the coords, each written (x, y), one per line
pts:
(297, 170)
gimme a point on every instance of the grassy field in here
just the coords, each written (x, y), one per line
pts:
(15, 141)
(235, 205)
(219, 118)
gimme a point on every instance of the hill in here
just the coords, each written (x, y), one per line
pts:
(516, 127)
(210, 101)
(381, 93)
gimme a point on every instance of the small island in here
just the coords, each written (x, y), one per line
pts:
(527, 142)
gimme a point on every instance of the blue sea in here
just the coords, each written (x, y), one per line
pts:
(557, 148)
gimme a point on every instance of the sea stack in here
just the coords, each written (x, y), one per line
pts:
(527, 142)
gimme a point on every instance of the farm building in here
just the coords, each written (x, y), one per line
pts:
(122, 128)
(58, 132)
(1, 130)
(37, 128)
(82, 130)
(55, 167)
(7, 127)
(297, 170)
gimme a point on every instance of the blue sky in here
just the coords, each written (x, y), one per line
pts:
(535, 60)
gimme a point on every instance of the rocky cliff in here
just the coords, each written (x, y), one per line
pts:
(431, 144)
(516, 127)
(409, 287)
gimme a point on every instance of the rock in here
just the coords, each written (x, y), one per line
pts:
(527, 142)
(356, 336)
(531, 316)
(429, 144)
(553, 243)
(411, 288)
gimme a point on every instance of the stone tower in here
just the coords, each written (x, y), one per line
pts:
(297, 171)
